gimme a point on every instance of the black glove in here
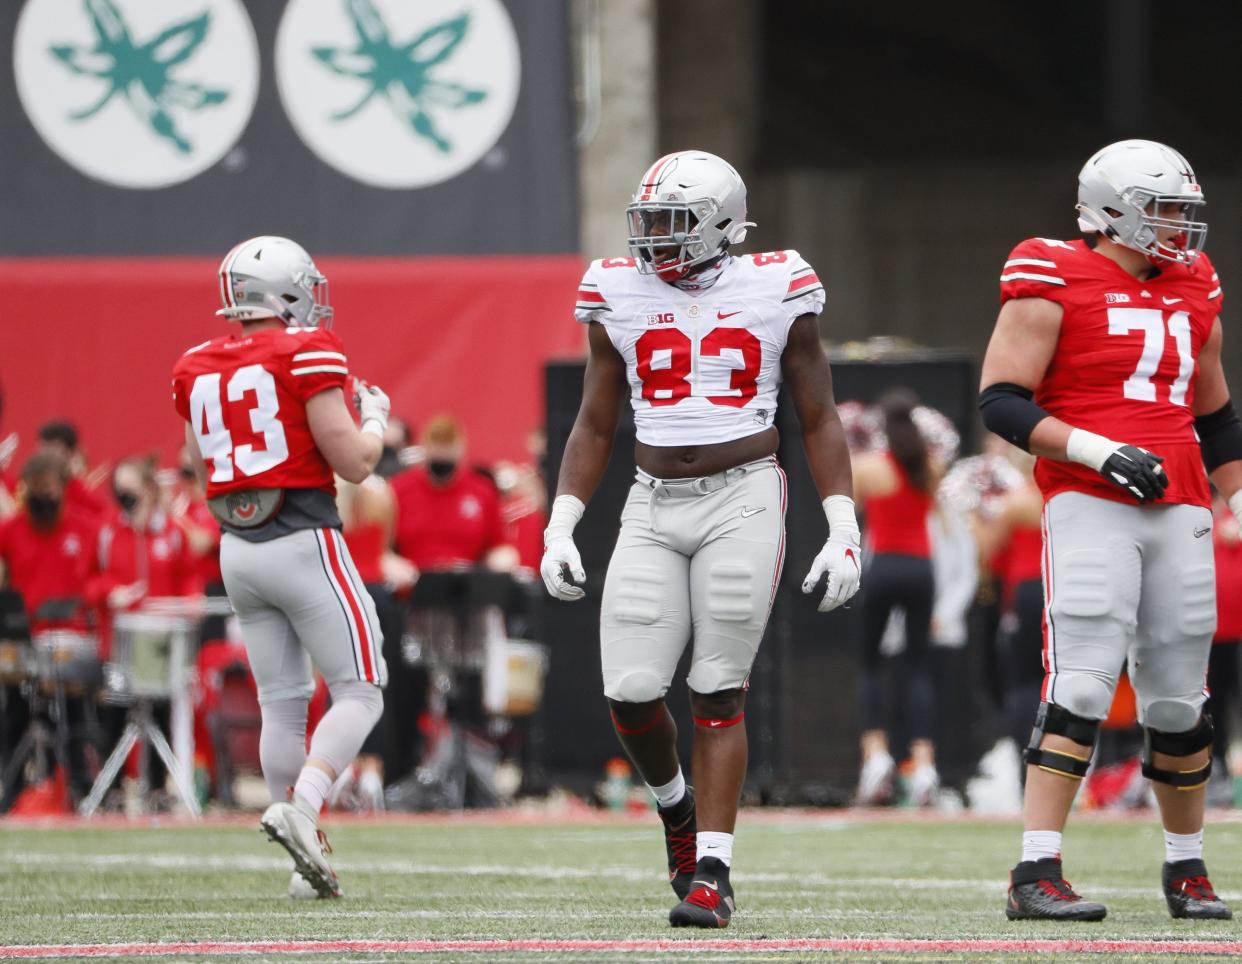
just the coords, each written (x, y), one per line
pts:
(1137, 471)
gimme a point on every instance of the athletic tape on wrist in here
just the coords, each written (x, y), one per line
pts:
(566, 512)
(1087, 448)
(839, 510)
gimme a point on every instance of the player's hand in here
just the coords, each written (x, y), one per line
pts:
(561, 568)
(1137, 471)
(373, 404)
(839, 560)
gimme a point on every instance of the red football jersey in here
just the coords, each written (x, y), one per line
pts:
(245, 396)
(1125, 360)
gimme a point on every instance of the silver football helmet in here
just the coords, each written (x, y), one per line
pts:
(271, 277)
(1134, 191)
(689, 208)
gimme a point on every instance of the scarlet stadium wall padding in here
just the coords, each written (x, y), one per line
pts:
(94, 341)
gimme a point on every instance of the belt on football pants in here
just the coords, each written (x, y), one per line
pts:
(703, 484)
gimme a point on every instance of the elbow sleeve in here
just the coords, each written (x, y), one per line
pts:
(1220, 436)
(1008, 410)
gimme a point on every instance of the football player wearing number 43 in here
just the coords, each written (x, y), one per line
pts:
(1106, 364)
(699, 340)
(266, 409)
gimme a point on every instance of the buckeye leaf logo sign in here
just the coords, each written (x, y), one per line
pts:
(397, 94)
(133, 93)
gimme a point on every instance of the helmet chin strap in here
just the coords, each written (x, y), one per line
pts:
(704, 275)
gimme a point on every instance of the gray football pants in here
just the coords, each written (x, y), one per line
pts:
(300, 600)
(697, 558)
(1128, 583)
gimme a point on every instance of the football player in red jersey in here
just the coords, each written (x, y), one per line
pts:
(1106, 364)
(699, 340)
(266, 410)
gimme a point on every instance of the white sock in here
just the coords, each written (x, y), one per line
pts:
(1038, 844)
(712, 843)
(1183, 846)
(311, 791)
(671, 792)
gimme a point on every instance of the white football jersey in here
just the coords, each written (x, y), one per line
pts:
(704, 366)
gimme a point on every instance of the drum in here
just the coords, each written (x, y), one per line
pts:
(68, 659)
(151, 655)
(16, 662)
(513, 677)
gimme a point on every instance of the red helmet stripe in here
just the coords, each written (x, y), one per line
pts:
(226, 274)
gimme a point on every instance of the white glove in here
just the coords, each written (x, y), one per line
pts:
(1235, 506)
(373, 407)
(560, 555)
(840, 556)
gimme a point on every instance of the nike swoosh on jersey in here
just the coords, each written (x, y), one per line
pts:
(1170, 301)
(749, 510)
(1200, 533)
(721, 315)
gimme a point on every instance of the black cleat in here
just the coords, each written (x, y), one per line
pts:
(1037, 891)
(680, 841)
(1189, 892)
(710, 900)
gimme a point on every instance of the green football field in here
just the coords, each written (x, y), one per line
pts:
(810, 886)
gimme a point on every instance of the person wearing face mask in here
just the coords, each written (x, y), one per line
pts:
(448, 515)
(141, 550)
(46, 548)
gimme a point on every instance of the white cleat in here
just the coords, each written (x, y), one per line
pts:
(876, 782)
(299, 889)
(924, 786)
(298, 834)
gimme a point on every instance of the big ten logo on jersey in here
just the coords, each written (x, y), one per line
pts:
(662, 318)
(1117, 298)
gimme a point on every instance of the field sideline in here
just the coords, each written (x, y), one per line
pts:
(828, 885)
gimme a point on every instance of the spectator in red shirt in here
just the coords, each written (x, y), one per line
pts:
(188, 507)
(141, 552)
(1223, 684)
(61, 437)
(47, 548)
(448, 516)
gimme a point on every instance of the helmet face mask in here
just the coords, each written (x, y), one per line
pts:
(272, 277)
(1143, 195)
(689, 208)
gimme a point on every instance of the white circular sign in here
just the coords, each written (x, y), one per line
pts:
(397, 94)
(134, 93)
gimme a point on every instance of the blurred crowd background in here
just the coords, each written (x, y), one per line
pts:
(902, 150)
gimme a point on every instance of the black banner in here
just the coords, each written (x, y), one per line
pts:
(372, 127)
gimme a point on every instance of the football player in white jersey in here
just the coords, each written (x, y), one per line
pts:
(699, 340)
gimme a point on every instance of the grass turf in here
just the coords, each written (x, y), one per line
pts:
(801, 876)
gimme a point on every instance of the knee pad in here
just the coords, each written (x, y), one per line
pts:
(1059, 721)
(717, 711)
(1171, 716)
(1183, 744)
(367, 696)
(1084, 694)
(636, 687)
